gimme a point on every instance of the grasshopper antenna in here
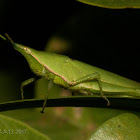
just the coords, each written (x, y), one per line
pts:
(7, 38)
(2, 37)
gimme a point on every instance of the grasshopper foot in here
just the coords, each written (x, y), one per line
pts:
(42, 111)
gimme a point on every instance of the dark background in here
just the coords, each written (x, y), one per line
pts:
(106, 38)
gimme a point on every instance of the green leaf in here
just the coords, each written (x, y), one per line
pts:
(114, 4)
(12, 129)
(124, 126)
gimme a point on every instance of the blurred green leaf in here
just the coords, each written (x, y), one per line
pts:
(12, 129)
(125, 126)
(114, 4)
(57, 44)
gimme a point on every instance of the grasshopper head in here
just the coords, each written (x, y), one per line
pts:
(30, 55)
(22, 49)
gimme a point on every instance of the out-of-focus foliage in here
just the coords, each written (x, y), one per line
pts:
(117, 4)
(13, 129)
(57, 45)
(125, 126)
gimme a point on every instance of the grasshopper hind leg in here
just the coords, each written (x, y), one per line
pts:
(92, 77)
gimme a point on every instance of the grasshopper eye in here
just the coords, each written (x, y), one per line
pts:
(27, 50)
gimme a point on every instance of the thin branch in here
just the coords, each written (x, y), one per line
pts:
(116, 103)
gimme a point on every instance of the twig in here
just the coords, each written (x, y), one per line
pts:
(116, 103)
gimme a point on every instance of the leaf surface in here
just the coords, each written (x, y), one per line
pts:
(114, 4)
(125, 126)
(11, 129)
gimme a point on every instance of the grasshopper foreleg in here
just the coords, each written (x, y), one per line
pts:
(23, 84)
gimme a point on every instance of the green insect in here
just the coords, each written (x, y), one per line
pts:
(75, 75)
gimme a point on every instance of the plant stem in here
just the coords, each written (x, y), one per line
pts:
(116, 103)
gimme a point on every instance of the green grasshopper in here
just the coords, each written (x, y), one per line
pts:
(75, 75)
